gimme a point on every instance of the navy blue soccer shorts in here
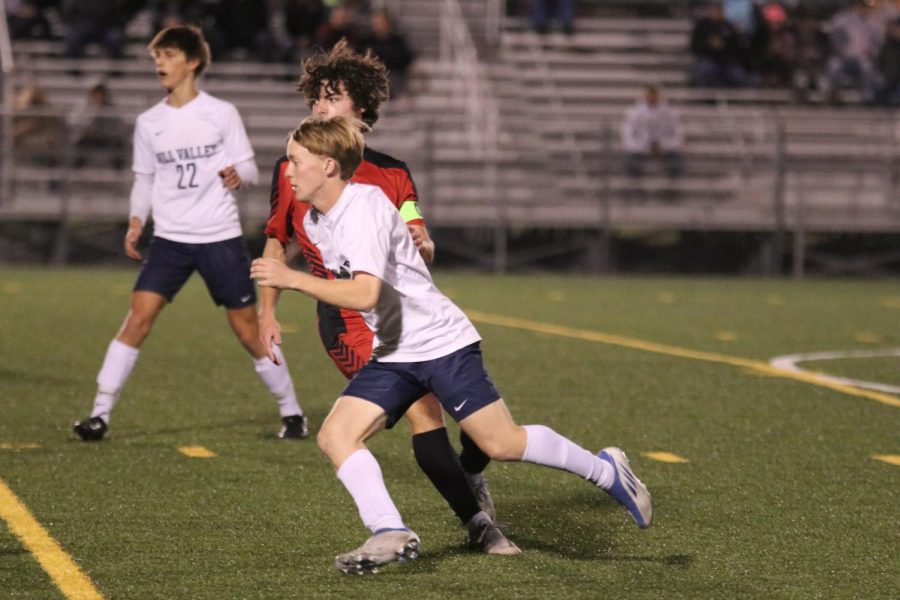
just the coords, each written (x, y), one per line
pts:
(459, 380)
(224, 267)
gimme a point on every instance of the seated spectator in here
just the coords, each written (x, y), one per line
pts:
(779, 53)
(652, 129)
(26, 20)
(94, 21)
(855, 41)
(812, 56)
(717, 49)
(561, 10)
(392, 49)
(96, 133)
(889, 66)
(339, 25)
(38, 133)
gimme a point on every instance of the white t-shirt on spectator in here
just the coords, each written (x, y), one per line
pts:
(184, 149)
(646, 125)
(413, 321)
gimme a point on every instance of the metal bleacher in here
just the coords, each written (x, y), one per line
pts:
(755, 161)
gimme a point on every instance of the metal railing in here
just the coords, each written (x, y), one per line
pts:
(7, 67)
(458, 52)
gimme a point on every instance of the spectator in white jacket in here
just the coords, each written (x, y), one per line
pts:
(652, 129)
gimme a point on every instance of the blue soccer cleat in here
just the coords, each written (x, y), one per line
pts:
(627, 489)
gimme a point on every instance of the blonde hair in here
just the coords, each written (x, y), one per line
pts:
(340, 138)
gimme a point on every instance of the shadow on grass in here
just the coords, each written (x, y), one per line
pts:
(32, 377)
(582, 526)
(268, 430)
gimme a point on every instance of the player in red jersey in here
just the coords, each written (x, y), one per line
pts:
(344, 83)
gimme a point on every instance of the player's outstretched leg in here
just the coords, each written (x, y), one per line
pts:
(498, 435)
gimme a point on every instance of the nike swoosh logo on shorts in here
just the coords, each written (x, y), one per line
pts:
(461, 404)
(245, 298)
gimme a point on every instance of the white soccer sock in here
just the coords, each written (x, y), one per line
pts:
(278, 379)
(543, 446)
(362, 477)
(117, 366)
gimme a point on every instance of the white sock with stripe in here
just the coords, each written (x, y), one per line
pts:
(117, 366)
(362, 477)
(545, 447)
(278, 379)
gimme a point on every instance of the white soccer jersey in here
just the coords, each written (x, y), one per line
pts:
(413, 321)
(184, 149)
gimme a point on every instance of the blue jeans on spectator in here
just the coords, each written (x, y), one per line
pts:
(844, 70)
(671, 163)
(562, 10)
(709, 73)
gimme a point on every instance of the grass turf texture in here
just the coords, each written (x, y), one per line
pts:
(780, 498)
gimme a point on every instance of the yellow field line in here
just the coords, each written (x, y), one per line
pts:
(666, 457)
(196, 451)
(638, 344)
(71, 581)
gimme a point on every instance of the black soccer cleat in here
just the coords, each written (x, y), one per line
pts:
(90, 430)
(294, 427)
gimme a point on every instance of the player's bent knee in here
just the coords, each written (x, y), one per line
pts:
(503, 444)
(499, 449)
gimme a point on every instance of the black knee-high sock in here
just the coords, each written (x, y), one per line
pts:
(437, 459)
(472, 459)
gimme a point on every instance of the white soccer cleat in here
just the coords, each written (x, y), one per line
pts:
(387, 546)
(627, 489)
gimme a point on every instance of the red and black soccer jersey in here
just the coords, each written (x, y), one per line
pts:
(347, 338)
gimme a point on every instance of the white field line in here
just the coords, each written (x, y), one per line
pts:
(789, 362)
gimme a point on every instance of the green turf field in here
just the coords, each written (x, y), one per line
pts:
(780, 496)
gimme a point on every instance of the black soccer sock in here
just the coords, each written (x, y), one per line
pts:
(438, 461)
(472, 459)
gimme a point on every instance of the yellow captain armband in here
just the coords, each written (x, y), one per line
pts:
(409, 210)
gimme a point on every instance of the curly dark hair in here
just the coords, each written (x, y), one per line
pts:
(364, 77)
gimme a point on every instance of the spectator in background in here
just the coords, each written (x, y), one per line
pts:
(855, 40)
(38, 133)
(94, 21)
(779, 51)
(889, 66)
(716, 46)
(26, 20)
(561, 10)
(96, 132)
(391, 48)
(652, 129)
(339, 25)
(812, 55)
